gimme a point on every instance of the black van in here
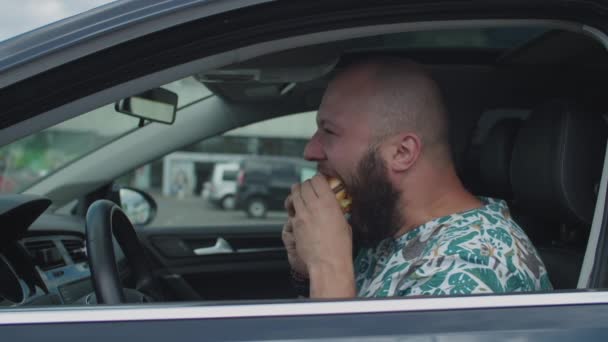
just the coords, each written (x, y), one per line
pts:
(263, 183)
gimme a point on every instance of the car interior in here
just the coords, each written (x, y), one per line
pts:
(527, 124)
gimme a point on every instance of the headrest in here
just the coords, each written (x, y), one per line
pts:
(495, 158)
(557, 162)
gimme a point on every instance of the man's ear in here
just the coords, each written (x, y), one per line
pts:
(404, 152)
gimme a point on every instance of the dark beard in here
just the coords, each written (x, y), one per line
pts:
(374, 210)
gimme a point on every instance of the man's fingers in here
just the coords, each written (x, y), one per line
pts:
(308, 193)
(287, 227)
(297, 200)
(312, 185)
(289, 206)
(287, 235)
(321, 186)
(289, 240)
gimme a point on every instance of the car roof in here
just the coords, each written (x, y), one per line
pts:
(120, 21)
(123, 20)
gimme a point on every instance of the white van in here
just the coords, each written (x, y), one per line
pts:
(221, 187)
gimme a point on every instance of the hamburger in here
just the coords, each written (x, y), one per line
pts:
(344, 199)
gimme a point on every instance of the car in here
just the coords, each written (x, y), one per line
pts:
(221, 187)
(264, 183)
(89, 99)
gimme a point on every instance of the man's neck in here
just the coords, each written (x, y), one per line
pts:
(433, 196)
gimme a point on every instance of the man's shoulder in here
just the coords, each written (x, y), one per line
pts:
(494, 214)
(484, 232)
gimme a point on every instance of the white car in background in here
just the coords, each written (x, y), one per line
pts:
(221, 187)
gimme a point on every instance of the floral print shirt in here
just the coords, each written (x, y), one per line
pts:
(477, 251)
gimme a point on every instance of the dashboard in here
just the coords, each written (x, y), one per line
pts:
(43, 258)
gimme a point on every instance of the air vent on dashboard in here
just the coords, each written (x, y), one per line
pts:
(76, 250)
(45, 253)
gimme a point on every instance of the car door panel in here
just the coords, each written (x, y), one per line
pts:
(222, 262)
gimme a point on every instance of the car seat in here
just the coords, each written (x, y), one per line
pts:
(555, 171)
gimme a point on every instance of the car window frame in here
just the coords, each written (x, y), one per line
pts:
(295, 308)
(164, 72)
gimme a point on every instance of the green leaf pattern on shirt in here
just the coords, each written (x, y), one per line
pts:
(462, 284)
(479, 251)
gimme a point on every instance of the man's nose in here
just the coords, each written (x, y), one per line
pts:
(314, 150)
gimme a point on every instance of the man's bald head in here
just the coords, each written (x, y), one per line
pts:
(401, 97)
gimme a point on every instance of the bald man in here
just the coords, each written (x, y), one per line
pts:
(383, 130)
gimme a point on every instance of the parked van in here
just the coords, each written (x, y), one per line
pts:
(221, 187)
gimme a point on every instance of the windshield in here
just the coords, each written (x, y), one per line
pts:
(31, 159)
(20, 16)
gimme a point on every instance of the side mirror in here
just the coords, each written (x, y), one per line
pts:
(139, 207)
(158, 105)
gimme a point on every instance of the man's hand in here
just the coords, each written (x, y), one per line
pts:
(323, 238)
(290, 245)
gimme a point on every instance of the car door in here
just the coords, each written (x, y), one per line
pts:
(571, 317)
(221, 262)
(535, 317)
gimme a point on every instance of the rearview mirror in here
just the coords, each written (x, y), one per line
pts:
(158, 105)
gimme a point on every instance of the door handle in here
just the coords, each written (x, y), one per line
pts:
(221, 247)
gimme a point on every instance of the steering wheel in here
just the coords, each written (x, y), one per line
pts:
(105, 219)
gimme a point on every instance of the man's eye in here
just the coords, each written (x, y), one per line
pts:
(328, 131)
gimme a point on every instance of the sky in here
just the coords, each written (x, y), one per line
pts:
(20, 16)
